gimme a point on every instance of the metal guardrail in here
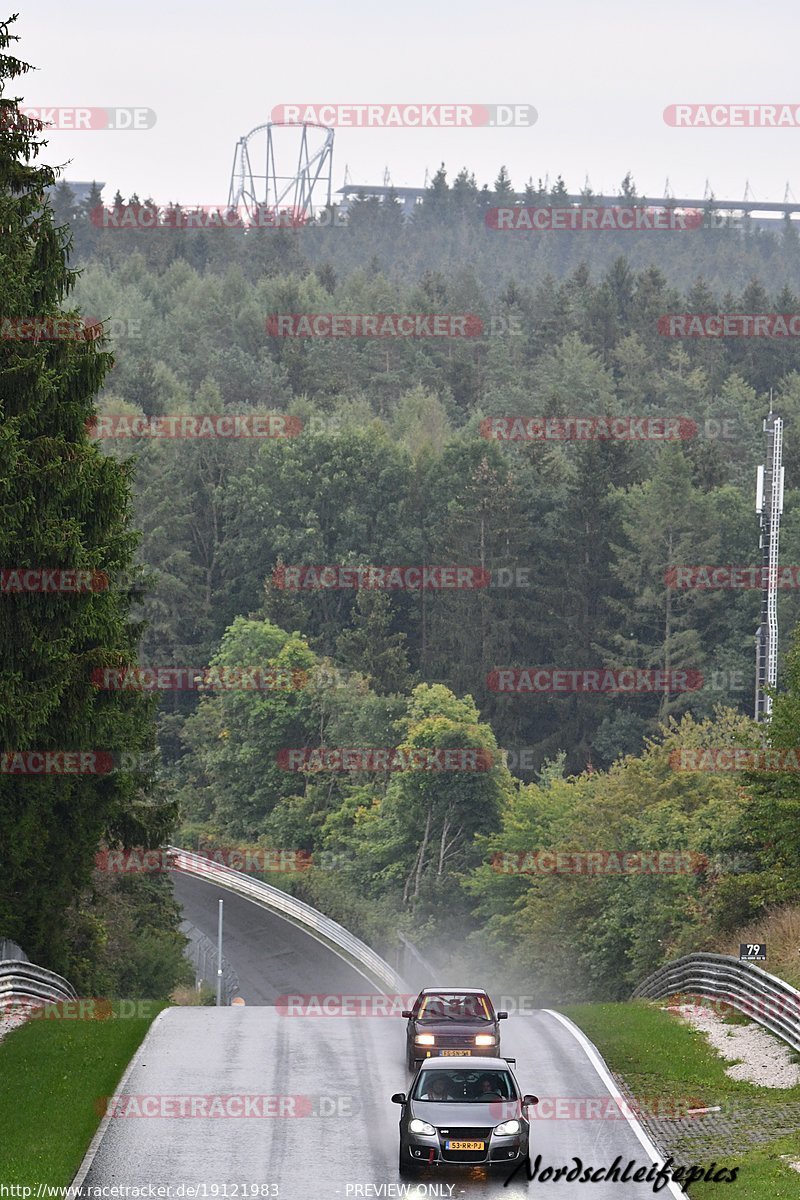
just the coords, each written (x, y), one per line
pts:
(25, 981)
(309, 919)
(764, 998)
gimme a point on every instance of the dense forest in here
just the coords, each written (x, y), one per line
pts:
(391, 462)
(393, 465)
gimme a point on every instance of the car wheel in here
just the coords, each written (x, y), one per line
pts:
(410, 1064)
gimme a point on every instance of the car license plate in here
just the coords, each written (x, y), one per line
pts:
(465, 1145)
(454, 1053)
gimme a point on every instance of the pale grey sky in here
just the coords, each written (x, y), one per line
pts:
(599, 75)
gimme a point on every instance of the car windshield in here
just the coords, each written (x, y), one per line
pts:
(464, 1087)
(454, 1006)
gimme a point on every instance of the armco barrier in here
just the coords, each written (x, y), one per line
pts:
(762, 997)
(326, 931)
(25, 981)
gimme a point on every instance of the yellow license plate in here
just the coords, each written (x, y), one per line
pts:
(454, 1053)
(465, 1146)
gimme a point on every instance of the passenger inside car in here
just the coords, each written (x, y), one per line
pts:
(436, 1089)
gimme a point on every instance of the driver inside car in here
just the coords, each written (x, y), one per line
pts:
(487, 1088)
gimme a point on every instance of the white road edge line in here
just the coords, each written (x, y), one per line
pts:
(597, 1061)
(94, 1144)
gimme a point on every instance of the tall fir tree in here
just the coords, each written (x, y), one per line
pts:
(63, 505)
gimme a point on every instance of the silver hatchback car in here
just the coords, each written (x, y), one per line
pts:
(471, 1114)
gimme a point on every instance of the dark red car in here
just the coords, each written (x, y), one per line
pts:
(451, 1023)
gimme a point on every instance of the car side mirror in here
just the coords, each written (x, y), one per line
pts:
(399, 1098)
(502, 1016)
(526, 1100)
(406, 1012)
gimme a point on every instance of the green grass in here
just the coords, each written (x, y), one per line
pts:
(53, 1074)
(661, 1058)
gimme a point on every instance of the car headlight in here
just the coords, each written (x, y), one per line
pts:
(417, 1126)
(506, 1128)
(425, 1039)
(485, 1039)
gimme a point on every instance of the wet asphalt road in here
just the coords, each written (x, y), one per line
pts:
(334, 1132)
(272, 957)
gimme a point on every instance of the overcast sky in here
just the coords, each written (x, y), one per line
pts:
(599, 75)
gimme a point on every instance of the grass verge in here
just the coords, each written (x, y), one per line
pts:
(664, 1062)
(53, 1073)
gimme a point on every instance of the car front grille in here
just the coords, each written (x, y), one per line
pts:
(464, 1134)
(463, 1040)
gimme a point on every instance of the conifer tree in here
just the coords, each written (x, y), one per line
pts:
(63, 506)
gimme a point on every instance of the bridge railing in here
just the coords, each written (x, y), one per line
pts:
(726, 981)
(309, 919)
